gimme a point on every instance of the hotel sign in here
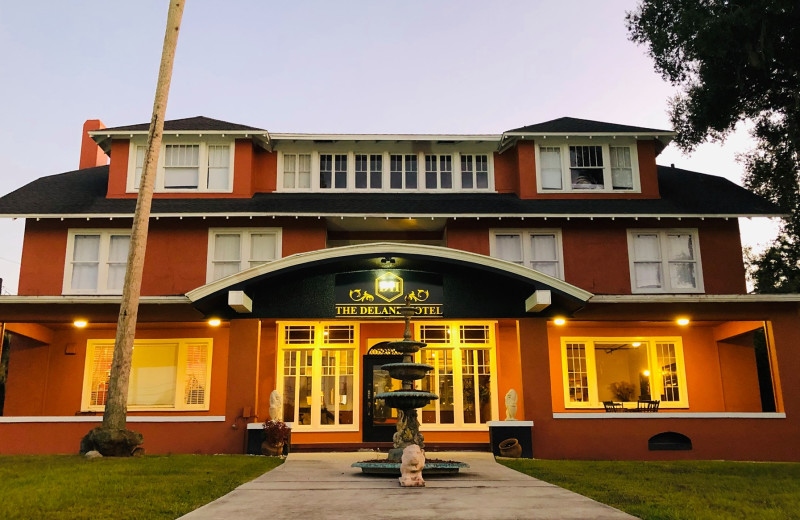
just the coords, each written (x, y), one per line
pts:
(379, 293)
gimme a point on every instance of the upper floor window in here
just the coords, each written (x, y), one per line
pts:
(96, 261)
(539, 249)
(187, 167)
(664, 261)
(384, 171)
(234, 250)
(578, 167)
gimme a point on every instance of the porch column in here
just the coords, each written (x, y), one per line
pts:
(243, 353)
(535, 366)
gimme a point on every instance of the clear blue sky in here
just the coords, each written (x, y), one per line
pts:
(319, 66)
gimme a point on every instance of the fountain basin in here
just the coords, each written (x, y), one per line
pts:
(387, 467)
(407, 399)
(407, 371)
(406, 346)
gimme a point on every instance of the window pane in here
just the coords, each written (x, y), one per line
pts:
(181, 166)
(361, 171)
(137, 180)
(474, 333)
(396, 172)
(153, 375)
(548, 268)
(434, 333)
(411, 172)
(680, 247)
(341, 171)
(289, 170)
(481, 172)
(299, 334)
(668, 368)
(648, 275)
(467, 171)
(577, 373)
(551, 168)
(85, 265)
(476, 385)
(646, 247)
(621, 169)
(622, 371)
(682, 275)
(375, 171)
(227, 247)
(180, 178)
(196, 383)
(218, 165)
(262, 248)
(586, 167)
(223, 269)
(87, 248)
(117, 261)
(338, 334)
(440, 382)
(304, 170)
(509, 247)
(101, 369)
(543, 247)
(325, 171)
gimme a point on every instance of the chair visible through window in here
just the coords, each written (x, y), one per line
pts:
(611, 406)
(647, 406)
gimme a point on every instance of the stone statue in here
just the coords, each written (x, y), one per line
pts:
(511, 405)
(275, 406)
(411, 466)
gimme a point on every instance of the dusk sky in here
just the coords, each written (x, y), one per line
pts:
(320, 66)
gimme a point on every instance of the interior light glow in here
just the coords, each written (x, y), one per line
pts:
(683, 321)
(80, 323)
(646, 373)
(214, 322)
(636, 344)
(559, 321)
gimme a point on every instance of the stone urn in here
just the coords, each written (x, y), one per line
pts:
(510, 448)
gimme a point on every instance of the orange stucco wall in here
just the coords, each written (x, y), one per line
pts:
(254, 170)
(56, 388)
(506, 173)
(176, 258)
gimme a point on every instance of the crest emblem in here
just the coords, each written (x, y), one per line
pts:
(388, 287)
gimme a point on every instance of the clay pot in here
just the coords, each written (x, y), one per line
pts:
(510, 448)
(271, 450)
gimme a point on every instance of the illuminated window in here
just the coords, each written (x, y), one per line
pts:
(623, 370)
(463, 357)
(170, 374)
(317, 368)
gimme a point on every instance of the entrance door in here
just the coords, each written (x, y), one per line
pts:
(378, 420)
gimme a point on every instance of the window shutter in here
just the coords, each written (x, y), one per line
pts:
(196, 386)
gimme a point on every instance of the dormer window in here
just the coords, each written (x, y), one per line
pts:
(187, 167)
(587, 167)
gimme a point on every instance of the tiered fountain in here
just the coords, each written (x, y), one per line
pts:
(407, 400)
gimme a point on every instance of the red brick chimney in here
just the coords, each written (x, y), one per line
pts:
(91, 154)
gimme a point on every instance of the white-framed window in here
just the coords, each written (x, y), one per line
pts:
(623, 369)
(333, 171)
(665, 261)
(403, 171)
(166, 374)
(474, 172)
(197, 166)
(464, 374)
(587, 166)
(369, 168)
(538, 249)
(231, 250)
(96, 260)
(317, 375)
(438, 172)
(297, 171)
(368, 171)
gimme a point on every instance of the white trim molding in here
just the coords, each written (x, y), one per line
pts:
(671, 415)
(32, 419)
(382, 249)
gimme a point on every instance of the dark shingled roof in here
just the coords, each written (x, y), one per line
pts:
(583, 126)
(198, 123)
(683, 192)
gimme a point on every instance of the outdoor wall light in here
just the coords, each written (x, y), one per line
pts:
(559, 321)
(683, 321)
(80, 323)
(214, 322)
(636, 344)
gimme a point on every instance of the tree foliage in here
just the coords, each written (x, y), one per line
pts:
(735, 61)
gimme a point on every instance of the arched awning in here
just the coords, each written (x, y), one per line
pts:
(307, 285)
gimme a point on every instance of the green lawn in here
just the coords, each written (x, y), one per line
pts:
(679, 490)
(151, 487)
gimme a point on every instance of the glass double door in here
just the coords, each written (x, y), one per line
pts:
(379, 421)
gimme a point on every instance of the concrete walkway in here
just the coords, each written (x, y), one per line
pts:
(324, 486)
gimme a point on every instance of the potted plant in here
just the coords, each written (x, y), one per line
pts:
(276, 435)
(623, 390)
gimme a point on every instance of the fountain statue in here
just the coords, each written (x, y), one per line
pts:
(407, 400)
